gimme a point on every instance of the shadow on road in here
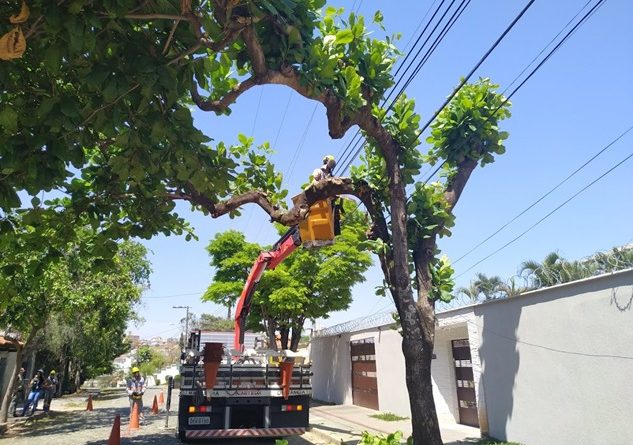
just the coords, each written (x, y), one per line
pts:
(63, 422)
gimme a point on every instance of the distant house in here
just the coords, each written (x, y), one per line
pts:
(8, 355)
(551, 366)
(124, 362)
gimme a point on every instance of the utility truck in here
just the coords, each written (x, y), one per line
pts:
(238, 392)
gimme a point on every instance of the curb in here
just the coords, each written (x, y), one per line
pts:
(324, 436)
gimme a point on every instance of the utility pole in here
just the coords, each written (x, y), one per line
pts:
(186, 323)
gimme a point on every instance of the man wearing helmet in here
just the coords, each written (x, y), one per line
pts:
(135, 391)
(325, 171)
(50, 386)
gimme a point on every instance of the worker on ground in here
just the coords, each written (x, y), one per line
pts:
(135, 391)
(325, 171)
(19, 394)
(50, 387)
(37, 391)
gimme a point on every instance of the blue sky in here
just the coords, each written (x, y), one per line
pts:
(576, 104)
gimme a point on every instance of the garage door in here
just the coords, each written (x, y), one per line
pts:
(465, 382)
(364, 381)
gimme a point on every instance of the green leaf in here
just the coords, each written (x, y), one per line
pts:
(9, 119)
(344, 37)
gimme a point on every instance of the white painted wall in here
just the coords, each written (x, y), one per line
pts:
(331, 365)
(557, 363)
(332, 368)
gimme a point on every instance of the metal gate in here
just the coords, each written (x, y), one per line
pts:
(364, 381)
(464, 379)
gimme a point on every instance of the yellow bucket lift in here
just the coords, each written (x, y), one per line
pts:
(317, 229)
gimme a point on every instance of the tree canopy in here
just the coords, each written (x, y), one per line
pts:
(68, 305)
(97, 109)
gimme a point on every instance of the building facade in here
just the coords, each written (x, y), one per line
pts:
(549, 366)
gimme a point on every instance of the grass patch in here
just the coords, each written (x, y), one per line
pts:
(388, 417)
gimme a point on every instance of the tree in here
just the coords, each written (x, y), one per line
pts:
(232, 257)
(49, 288)
(210, 322)
(106, 90)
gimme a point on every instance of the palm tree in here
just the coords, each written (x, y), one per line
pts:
(488, 286)
(471, 292)
(512, 289)
(543, 274)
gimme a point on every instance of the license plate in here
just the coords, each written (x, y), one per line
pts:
(199, 420)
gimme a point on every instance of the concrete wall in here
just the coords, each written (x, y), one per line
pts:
(331, 365)
(332, 368)
(8, 360)
(557, 363)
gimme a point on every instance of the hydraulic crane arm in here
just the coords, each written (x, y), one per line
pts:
(266, 260)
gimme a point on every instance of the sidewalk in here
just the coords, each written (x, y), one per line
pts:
(344, 424)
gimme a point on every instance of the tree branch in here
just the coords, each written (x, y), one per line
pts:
(456, 186)
(223, 103)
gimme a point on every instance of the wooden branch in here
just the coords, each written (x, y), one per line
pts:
(109, 104)
(327, 188)
(154, 17)
(223, 103)
(171, 36)
(456, 185)
(190, 51)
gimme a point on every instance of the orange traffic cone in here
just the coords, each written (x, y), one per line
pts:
(134, 424)
(89, 406)
(285, 369)
(155, 406)
(161, 398)
(115, 434)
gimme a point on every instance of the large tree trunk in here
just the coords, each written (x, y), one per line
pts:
(297, 328)
(417, 345)
(418, 353)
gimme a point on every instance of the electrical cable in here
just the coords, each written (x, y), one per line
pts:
(547, 215)
(545, 59)
(481, 61)
(341, 156)
(472, 71)
(572, 174)
(259, 102)
(357, 147)
(302, 141)
(417, 29)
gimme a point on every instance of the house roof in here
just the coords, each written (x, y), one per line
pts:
(8, 345)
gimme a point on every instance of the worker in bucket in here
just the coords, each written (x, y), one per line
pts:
(325, 171)
(135, 390)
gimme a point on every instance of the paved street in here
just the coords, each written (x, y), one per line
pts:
(70, 424)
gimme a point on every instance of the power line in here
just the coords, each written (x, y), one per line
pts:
(283, 118)
(302, 141)
(357, 147)
(259, 102)
(572, 174)
(482, 60)
(174, 295)
(545, 59)
(472, 71)
(342, 155)
(546, 216)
